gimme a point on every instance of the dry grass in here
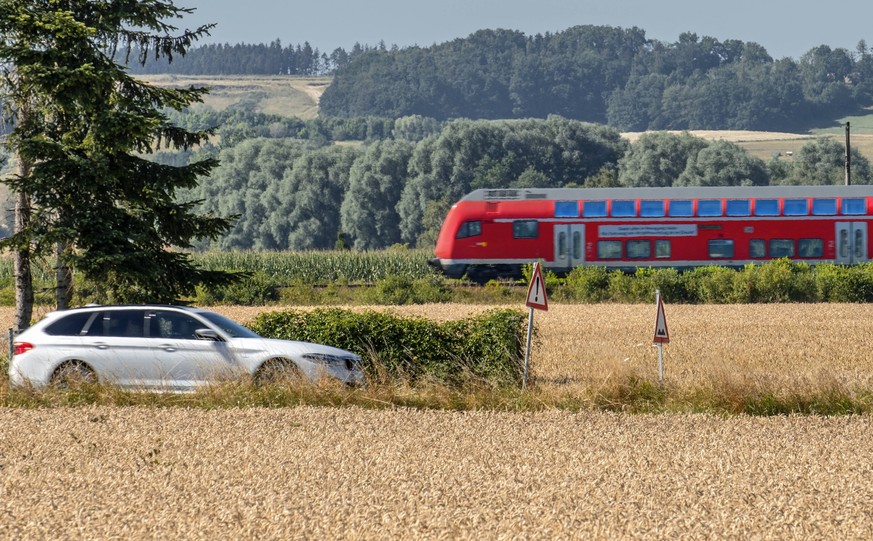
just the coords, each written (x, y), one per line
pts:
(394, 473)
(319, 473)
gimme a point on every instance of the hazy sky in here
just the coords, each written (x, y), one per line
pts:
(783, 27)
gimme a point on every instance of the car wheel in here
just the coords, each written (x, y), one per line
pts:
(73, 374)
(278, 371)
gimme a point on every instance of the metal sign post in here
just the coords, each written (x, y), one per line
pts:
(662, 336)
(536, 299)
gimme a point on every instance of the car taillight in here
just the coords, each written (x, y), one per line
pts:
(22, 347)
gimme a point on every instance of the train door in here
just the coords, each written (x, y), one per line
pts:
(569, 245)
(851, 242)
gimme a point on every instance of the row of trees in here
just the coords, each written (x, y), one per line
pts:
(297, 194)
(605, 74)
(252, 59)
(83, 125)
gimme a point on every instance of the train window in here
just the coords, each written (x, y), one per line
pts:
(781, 248)
(709, 207)
(594, 209)
(577, 245)
(796, 207)
(766, 207)
(469, 229)
(810, 247)
(756, 249)
(662, 249)
(854, 206)
(738, 207)
(525, 229)
(609, 249)
(562, 245)
(721, 249)
(859, 244)
(566, 209)
(682, 207)
(652, 208)
(624, 209)
(824, 206)
(639, 249)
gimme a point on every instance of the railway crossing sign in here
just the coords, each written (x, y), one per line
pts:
(536, 291)
(536, 299)
(661, 334)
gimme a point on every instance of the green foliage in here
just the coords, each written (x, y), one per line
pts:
(258, 289)
(710, 285)
(823, 161)
(658, 159)
(84, 126)
(587, 284)
(487, 347)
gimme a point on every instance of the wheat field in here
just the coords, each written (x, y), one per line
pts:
(321, 473)
(394, 473)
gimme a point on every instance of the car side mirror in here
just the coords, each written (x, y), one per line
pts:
(207, 334)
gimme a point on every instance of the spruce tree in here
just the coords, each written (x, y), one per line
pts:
(83, 132)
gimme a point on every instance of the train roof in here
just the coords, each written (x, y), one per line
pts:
(690, 192)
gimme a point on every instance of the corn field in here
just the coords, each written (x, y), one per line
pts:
(321, 267)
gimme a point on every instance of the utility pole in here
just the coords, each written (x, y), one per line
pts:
(848, 158)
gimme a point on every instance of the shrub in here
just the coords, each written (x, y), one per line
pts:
(488, 347)
(710, 284)
(254, 290)
(588, 284)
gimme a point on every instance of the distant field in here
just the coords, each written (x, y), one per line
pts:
(278, 95)
(765, 145)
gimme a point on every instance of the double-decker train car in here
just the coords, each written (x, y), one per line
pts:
(492, 233)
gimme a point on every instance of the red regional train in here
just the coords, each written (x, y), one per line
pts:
(492, 233)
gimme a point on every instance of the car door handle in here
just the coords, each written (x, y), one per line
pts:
(101, 345)
(168, 347)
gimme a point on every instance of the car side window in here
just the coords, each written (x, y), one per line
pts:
(71, 325)
(173, 325)
(123, 323)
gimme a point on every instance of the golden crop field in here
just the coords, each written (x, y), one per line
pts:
(321, 473)
(395, 473)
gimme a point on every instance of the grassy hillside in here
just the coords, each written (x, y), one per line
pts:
(278, 95)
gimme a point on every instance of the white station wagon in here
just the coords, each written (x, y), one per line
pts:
(166, 348)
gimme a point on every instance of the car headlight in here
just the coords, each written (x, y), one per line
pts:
(350, 362)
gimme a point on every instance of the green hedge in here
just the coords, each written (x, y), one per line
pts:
(780, 280)
(488, 347)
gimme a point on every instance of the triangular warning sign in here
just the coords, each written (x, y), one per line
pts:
(536, 291)
(662, 336)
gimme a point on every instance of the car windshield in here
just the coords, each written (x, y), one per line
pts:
(229, 326)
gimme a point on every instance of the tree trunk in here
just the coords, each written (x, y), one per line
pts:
(23, 274)
(63, 277)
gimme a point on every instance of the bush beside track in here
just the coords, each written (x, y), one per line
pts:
(485, 348)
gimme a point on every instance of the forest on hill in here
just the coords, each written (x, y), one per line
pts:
(593, 73)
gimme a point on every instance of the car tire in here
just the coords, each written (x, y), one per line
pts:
(72, 374)
(278, 371)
